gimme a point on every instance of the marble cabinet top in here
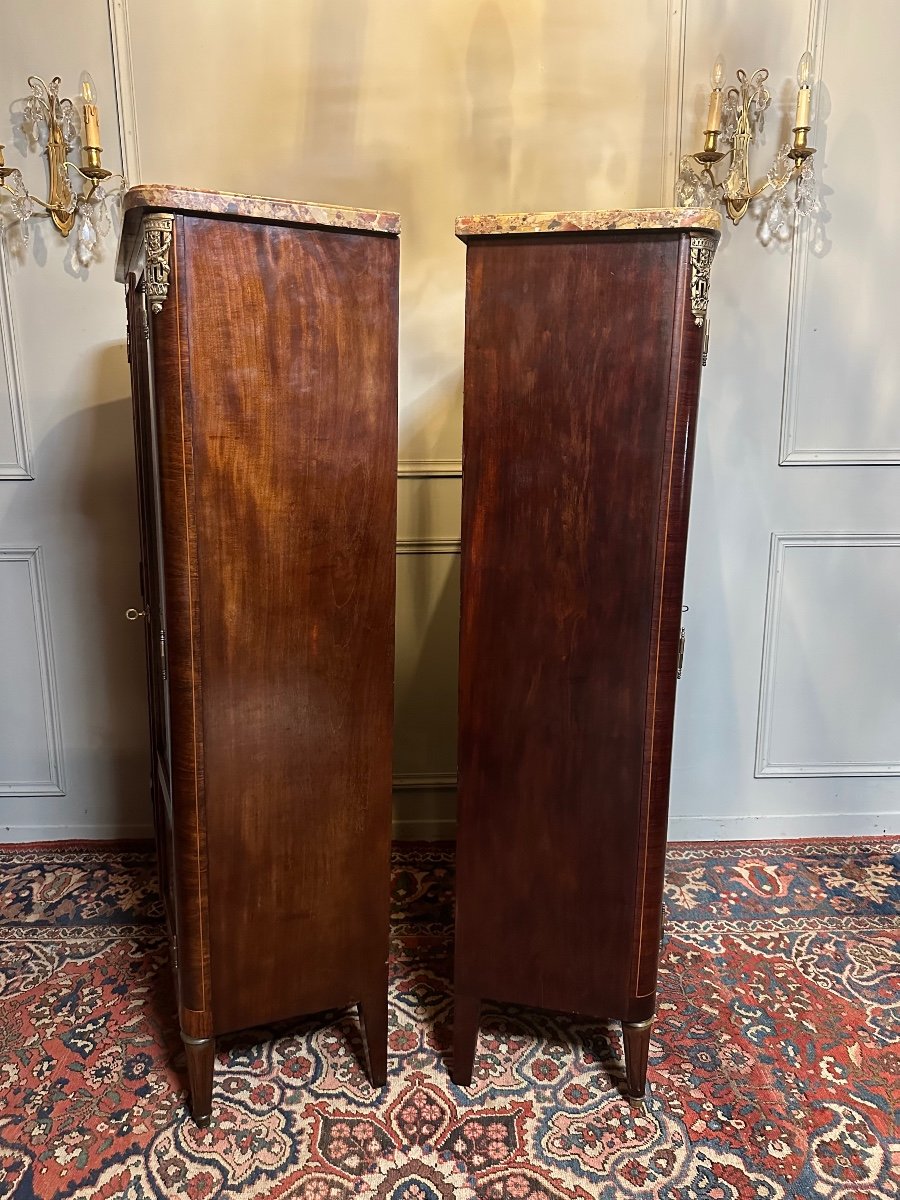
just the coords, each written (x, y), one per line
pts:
(155, 197)
(263, 208)
(588, 222)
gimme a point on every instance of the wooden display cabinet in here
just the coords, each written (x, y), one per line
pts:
(584, 337)
(263, 344)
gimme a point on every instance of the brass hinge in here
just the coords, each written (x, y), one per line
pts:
(128, 341)
(704, 356)
(146, 324)
(162, 654)
(681, 652)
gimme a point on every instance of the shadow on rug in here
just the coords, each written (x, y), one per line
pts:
(773, 1067)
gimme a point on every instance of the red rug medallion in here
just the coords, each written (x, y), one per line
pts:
(774, 1066)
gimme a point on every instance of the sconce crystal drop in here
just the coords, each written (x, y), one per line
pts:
(50, 122)
(737, 119)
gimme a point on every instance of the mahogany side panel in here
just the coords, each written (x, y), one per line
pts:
(171, 356)
(582, 368)
(671, 548)
(293, 415)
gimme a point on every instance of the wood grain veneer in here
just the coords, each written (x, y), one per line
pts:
(582, 374)
(265, 394)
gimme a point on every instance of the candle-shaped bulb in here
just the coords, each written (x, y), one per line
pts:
(804, 78)
(89, 112)
(804, 69)
(716, 78)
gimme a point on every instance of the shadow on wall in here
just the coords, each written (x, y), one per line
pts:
(107, 495)
(543, 132)
(336, 44)
(433, 111)
(350, 165)
(490, 73)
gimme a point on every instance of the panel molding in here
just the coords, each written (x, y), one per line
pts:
(17, 835)
(123, 74)
(888, 456)
(55, 785)
(428, 545)
(765, 768)
(436, 781)
(21, 467)
(673, 98)
(791, 454)
(441, 826)
(754, 827)
(429, 468)
(424, 817)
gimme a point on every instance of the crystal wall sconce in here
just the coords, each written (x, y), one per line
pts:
(736, 117)
(51, 122)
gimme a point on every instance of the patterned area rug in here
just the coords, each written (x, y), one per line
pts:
(774, 1065)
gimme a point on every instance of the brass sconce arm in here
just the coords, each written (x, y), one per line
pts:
(51, 121)
(94, 177)
(737, 116)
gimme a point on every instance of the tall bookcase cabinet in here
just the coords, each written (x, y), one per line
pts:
(584, 338)
(263, 345)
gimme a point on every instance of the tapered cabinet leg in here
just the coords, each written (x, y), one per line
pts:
(201, 1055)
(636, 1036)
(466, 1011)
(373, 1015)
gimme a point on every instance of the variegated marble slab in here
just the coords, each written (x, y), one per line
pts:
(588, 222)
(150, 197)
(262, 208)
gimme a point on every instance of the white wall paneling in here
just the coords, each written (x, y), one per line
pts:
(802, 368)
(123, 74)
(673, 98)
(842, 375)
(751, 827)
(425, 812)
(31, 754)
(450, 109)
(79, 697)
(425, 686)
(428, 507)
(427, 640)
(831, 656)
(15, 451)
(425, 676)
(479, 107)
